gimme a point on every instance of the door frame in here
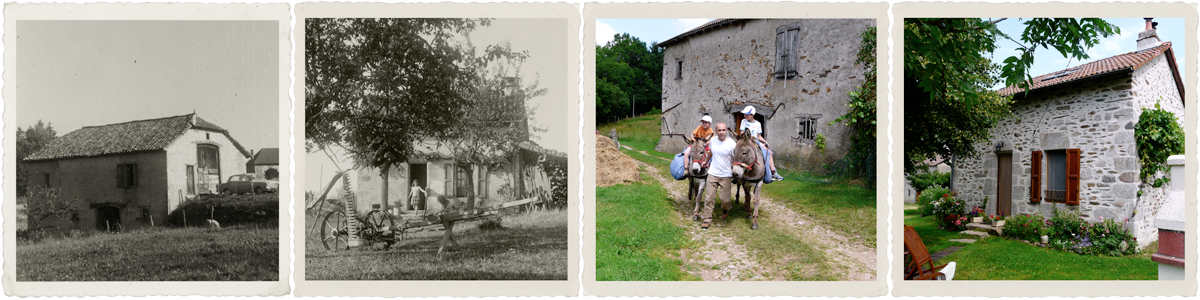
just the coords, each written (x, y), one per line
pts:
(1004, 182)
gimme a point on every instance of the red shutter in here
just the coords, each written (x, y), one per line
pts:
(1072, 176)
(1035, 180)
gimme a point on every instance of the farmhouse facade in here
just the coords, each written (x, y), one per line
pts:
(123, 176)
(797, 73)
(265, 159)
(1070, 142)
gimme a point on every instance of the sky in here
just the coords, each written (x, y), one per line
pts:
(546, 41)
(73, 74)
(1046, 61)
(646, 30)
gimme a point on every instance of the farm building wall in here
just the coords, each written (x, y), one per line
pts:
(370, 184)
(184, 152)
(732, 66)
(93, 183)
(1096, 116)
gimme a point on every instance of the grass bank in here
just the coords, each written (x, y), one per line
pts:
(161, 254)
(641, 133)
(638, 236)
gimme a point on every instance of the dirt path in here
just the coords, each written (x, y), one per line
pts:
(720, 258)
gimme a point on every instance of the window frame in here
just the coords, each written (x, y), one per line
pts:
(127, 176)
(678, 69)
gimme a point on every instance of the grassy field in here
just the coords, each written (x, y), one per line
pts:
(167, 254)
(641, 133)
(638, 236)
(998, 258)
(531, 246)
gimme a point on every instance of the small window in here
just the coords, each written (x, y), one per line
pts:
(786, 40)
(46, 177)
(145, 214)
(127, 177)
(206, 136)
(448, 187)
(1056, 179)
(808, 128)
(678, 69)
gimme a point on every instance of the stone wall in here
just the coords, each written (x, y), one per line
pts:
(1096, 116)
(729, 67)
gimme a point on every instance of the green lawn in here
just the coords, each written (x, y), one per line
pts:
(176, 254)
(638, 237)
(998, 258)
(641, 133)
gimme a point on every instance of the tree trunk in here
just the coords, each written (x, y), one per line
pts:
(383, 201)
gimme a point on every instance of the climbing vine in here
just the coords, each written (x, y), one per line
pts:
(861, 116)
(1158, 136)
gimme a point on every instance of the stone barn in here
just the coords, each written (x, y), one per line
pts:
(126, 174)
(797, 73)
(1070, 142)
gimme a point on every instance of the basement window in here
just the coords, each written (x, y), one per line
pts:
(808, 128)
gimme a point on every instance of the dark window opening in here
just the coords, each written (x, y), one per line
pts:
(678, 69)
(108, 218)
(46, 177)
(145, 214)
(127, 176)
(808, 128)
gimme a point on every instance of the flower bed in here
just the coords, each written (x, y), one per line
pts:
(948, 209)
(1068, 231)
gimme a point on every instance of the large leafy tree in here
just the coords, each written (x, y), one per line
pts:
(948, 102)
(627, 70)
(29, 141)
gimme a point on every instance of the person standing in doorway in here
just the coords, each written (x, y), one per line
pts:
(720, 174)
(415, 193)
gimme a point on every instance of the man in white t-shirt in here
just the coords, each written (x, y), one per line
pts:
(720, 173)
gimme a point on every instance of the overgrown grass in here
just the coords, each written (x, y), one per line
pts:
(641, 133)
(997, 258)
(846, 208)
(638, 237)
(158, 254)
(531, 246)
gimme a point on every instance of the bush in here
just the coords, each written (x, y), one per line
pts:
(925, 180)
(948, 209)
(1070, 232)
(1024, 227)
(925, 201)
(228, 210)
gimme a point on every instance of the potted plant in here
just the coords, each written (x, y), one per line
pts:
(998, 220)
(1045, 231)
(976, 215)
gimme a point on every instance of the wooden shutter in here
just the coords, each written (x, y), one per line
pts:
(781, 51)
(120, 174)
(1035, 179)
(1072, 176)
(133, 175)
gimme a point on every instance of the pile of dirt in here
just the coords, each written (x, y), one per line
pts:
(612, 166)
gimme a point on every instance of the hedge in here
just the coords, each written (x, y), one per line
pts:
(228, 210)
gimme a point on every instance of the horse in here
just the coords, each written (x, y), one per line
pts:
(749, 169)
(697, 174)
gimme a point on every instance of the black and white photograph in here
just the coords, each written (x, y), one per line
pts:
(436, 149)
(147, 151)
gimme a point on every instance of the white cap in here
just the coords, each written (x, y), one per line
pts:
(749, 110)
(706, 118)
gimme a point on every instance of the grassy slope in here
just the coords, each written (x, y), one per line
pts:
(532, 246)
(638, 237)
(186, 254)
(997, 258)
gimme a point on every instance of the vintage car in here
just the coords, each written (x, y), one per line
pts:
(246, 183)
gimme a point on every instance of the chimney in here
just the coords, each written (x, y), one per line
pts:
(1149, 38)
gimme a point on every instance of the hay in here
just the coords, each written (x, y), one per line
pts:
(612, 166)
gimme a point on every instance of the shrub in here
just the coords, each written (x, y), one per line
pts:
(948, 209)
(925, 201)
(228, 210)
(1024, 227)
(1157, 136)
(1069, 231)
(925, 180)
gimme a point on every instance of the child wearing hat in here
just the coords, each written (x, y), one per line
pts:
(755, 128)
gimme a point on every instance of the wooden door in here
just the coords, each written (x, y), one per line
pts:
(1004, 184)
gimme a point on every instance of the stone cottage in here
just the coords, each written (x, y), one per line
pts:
(265, 159)
(125, 174)
(1070, 143)
(797, 73)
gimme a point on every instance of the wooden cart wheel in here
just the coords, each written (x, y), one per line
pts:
(378, 226)
(335, 231)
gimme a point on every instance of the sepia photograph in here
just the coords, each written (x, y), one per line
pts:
(736, 150)
(146, 151)
(1044, 148)
(436, 149)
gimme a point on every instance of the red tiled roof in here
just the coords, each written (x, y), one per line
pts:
(1129, 61)
(710, 25)
(128, 137)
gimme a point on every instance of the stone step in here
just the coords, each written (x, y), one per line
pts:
(968, 241)
(975, 233)
(944, 253)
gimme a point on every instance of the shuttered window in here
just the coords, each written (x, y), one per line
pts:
(1072, 177)
(786, 40)
(448, 187)
(1035, 183)
(127, 176)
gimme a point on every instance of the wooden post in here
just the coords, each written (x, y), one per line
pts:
(107, 227)
(151, 220)
(185, 218)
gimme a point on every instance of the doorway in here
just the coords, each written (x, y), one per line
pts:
(1004, 184)
(108, 218)
(416, 175)
(737, 123)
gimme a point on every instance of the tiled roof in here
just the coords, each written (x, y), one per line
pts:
(1129, 61)
(128, 137)
(710, 25)
(266, 156)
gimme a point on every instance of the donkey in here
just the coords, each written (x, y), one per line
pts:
(697, 174)
(748, 173)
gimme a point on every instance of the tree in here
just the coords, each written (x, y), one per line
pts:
(45, 203)
(948, 104)
(271, 173)
(629, 65)
(30, 141)
(861, 116)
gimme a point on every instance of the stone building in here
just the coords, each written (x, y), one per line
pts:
(797, 73)
(126, 174)
(1070, 142)
(265, 159)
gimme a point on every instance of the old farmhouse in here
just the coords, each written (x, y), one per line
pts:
(266, 159)
(1070, 143)
(124, 175)
(797, 73)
